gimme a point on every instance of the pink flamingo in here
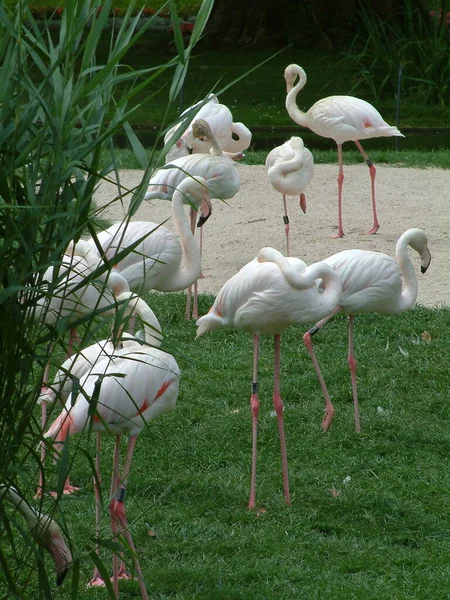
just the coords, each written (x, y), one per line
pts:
(290, 168)
(372, 282)
(343, 119)
(219, 172)
(131, 386)
(266, 296)
(156, 262)
(232, 137)
(44, 530)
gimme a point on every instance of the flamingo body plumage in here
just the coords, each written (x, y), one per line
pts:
(374, 282)
(265, 297)
(341, 118)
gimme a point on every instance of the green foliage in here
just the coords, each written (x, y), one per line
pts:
(59, 111)
(419, 46)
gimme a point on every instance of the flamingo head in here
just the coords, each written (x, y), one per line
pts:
(291, 73)
(201, 130)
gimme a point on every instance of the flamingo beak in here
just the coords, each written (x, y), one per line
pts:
(204, 215)
(426, 260)
(61, 557)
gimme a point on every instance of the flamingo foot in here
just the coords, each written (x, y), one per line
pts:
(374, 229)
(339, 234)
(328, 419)
(70, 489)
(123, 573)
(96, 582)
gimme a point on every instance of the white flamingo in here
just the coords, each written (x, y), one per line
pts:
(343, 119)
(290, 168)
(373, 282)
(232, 137)
(131, 387)
(266, 296)
(156, 263)
(44, 530)
(220, 173)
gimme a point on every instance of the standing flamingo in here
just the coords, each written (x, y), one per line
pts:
(343, 119)
(156, 263)
(85, 361)
(220, 173)
(232, 137)
(373, 282)
(44, 530)
(68, 293)
(266, 296)
(120, 394)
(290, 168)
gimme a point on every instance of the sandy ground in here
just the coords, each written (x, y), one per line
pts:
(253, 219)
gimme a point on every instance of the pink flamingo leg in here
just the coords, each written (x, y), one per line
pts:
(372, 171)
(114, 522)
(340, 181)
(193, 214)
(97, 579)
(254, 406)
(303, 202)
(119, 516)
(286, 225)
(44, 388)
(307, 340)
(278, 405)
(352, 365)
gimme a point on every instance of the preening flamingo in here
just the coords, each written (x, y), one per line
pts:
(44, 530)
(373, 282)
(220, 173)
(232, 137)
(156, 263)
(266, 296)
(343, 119)
(131, 387)
(290, 168)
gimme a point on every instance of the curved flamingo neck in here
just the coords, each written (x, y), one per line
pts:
(288, 166)
(410, 288)
(331, 285)
(291, 100)
(190, 269)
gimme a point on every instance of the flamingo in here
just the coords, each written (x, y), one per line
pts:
(220, 173)
(69, 294)
(266, 296)
(156, 262)
(290, 168)
(373, 282)
(44, 530)
(79, 365)
(343, 119)
(119, 394)
(232, 137)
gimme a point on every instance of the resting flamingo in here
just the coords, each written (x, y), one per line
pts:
(220, 173)
(373, 282)
(266, 296)
(131, 387)
(232, 137)
(343, 119)
(290, 168)
(44, 530)
(156, 263)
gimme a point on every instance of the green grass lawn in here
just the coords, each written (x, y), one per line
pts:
(370, 513)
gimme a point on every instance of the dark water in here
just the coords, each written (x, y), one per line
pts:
(267, 138)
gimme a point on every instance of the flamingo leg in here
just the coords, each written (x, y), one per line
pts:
(97, 579)
(114, 521)
(352, 365)
(44, 388)
(193, 214)
(286, 224)
(340, 181)
(372, 171)
(303, 202)
(278, 405)
(254, 407)
(307, 340)
(119, 515)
